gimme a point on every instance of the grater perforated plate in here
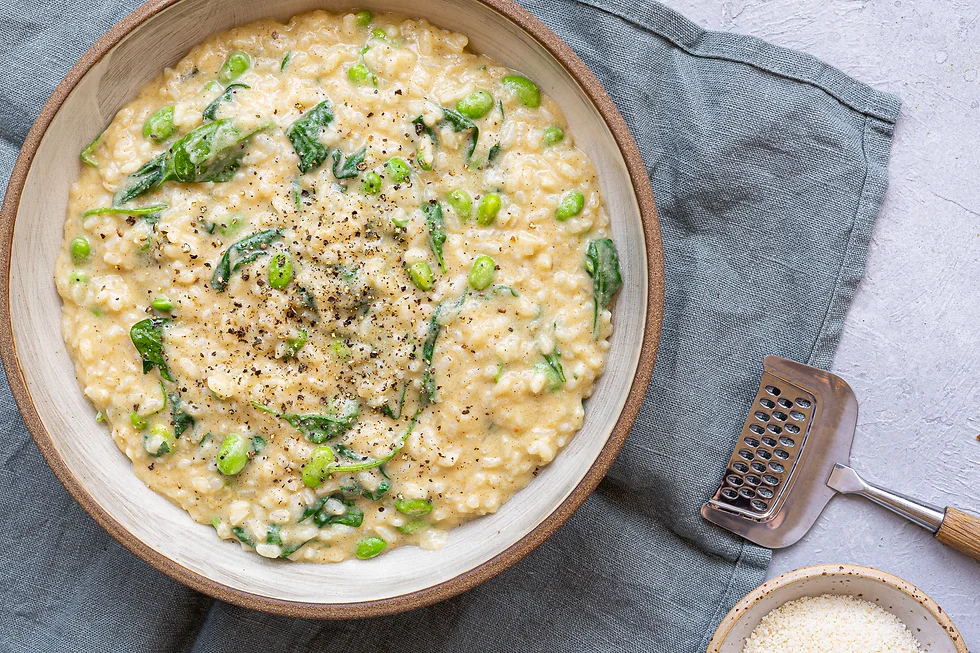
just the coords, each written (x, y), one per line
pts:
(800, 423)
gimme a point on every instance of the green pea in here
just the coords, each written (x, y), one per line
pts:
(160, 125)
(360, 74)
(475, 105)
(138, 421)
(412, 527)
(481, 274)
(317, 469)
(372, 183)
(570, 205)
(78, 277)
(293, 345)
(413, 507)
(80, 249)
(487, 209)
(363, 17)
(280, 271)
(398, 171)
(421, 275)
(232, 455)
(525, 90)
(553, 134)
(235, 65)
(461, 202)
(159, 441)
(370, 547)
(162, 303)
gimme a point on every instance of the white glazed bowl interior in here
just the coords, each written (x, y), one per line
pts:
(88, 450)
(910, 608)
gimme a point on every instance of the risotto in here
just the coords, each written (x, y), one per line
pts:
(337, 285)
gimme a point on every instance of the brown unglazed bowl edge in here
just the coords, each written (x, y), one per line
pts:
(651, 337)
(838, 570)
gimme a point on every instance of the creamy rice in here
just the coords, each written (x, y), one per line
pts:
(346, 335)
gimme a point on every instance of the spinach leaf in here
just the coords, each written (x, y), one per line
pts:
(312, 509)
(86, 154)
(353, 516)
(386, 409)
(422, 128)
(212, 152)
(243, 536)
(285, 61)
(181, 419)
(350, 167)
(244, 251)
(437, 229)
(371, 464)
(304, 134)
(552, 370)
(143, 211)
(147, 337)
(444, 313)
(149, 175)
(493, 153)
(602, 264)
(554, 362)
(290, 550)
(382, 489)
(274, 535)
(226, 95)
(320, 428)
(258, 444)
(461, 123)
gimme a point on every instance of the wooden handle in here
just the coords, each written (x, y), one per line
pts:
(961, 530)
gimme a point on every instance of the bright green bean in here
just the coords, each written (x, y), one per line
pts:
(482, 272)
(475, 105)
(461, 202)
(340, 349)
(316, 470)
(280, 270)
(363, 17)
(421, 275)
(370, 547)
(360, 74)
(232, 455)
(413, 507)
(235, 65)
(80, 249)
(380, 34)
(398, 171)
(160, 125)
(78, 277)
(525, 90)
(372, 183)
(162, 303)
(487, 209)
(571, 204)
(159, 441)
(412, 527)
(553, 135)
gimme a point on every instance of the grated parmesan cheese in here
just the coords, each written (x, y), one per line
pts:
(830, 624)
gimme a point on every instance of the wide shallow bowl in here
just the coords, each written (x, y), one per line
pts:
(930, 625)
(99, 476)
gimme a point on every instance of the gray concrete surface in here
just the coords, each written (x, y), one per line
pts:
(910, 347)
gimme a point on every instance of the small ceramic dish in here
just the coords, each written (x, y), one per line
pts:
(100, 477)
(930, 625)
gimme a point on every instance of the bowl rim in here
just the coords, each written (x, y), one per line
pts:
(640, 182)
(792, 577)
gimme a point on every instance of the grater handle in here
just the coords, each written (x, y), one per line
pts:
(961, 531)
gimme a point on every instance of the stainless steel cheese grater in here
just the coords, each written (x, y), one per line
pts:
(788, 464)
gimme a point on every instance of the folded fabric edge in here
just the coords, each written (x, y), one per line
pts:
(877, 147)
(749, 50)
(751, 557)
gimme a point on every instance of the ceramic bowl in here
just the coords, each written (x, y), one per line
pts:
(930, 625)
(99, 476)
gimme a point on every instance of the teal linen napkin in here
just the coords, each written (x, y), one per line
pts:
(769, 169)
